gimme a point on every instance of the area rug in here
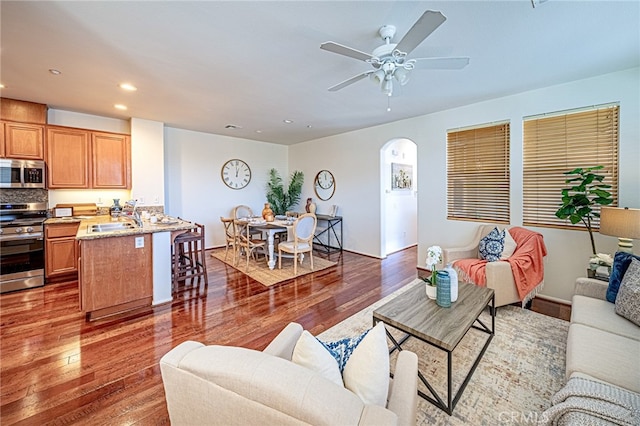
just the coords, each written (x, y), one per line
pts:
(260, 271)
(521, 370)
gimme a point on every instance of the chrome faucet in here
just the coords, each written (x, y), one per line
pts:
(134, 213)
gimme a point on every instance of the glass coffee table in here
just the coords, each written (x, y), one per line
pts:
(420, 317)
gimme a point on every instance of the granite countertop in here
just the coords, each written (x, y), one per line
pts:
(147, 227)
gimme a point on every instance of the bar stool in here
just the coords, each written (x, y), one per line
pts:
(188, 258)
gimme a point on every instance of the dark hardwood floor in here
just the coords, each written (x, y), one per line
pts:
(57, 368)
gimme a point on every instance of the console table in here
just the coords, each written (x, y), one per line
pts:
(326, 243)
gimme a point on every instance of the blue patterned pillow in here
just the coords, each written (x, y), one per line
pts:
(342, 349)
(621, 262)
(492, 245)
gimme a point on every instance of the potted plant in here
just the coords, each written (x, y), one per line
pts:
(587, 192)
(282, 200)
(434, 256)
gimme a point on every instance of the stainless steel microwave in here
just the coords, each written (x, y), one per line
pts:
(22, 173)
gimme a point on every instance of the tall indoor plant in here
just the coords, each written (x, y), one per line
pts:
(282, 200)
(587, 192)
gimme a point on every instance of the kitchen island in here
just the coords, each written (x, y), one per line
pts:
(123, 269)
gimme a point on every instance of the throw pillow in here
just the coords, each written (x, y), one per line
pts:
(628, 298)
(492, 245)
(309, 352)
(509, 246)
(621, 262)
(342, 349)
(367, 371)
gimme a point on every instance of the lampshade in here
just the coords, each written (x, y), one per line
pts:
(387, 86)
(623, 223)
(377, 77)
(402, 75)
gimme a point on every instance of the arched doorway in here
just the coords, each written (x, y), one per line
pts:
(399, 189)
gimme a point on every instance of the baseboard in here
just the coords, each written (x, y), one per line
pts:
(554, 299)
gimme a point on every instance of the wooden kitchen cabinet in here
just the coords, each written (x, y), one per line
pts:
(115, 275)
(111, 160)
(61, 250)
(68, 154)
(21, 140)
(79, 158)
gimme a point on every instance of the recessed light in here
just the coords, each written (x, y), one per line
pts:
(287, 121)
(128, 87)
(120, 107)
(55, 71)
(309, 126)
(258, 131)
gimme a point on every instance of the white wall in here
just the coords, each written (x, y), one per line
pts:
(354, 160)
(399, 207)
(147, 162)
(193, 187)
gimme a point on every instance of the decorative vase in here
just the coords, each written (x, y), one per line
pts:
(267, 213)
(307, 208)
(116, 209)
(431, 291)
(312, 208)
(453, 278)
(443, 289)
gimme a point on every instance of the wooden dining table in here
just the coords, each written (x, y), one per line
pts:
(271, 228)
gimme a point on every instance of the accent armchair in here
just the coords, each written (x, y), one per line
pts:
(237, 386)
(516, 278)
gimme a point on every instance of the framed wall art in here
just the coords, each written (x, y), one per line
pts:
(401, 177)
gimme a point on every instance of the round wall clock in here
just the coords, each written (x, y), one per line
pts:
(324, 185)
(236, 174)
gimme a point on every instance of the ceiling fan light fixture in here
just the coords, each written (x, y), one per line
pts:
(402, 75)
(387, 87)
(377, 77)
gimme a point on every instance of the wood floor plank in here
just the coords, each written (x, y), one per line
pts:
(57, 368)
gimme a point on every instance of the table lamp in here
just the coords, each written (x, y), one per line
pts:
(623, 223)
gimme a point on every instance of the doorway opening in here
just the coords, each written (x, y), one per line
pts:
(399, 195)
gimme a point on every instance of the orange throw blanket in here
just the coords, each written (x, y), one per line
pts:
(526, 262)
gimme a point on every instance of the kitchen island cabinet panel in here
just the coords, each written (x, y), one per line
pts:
(115, 275)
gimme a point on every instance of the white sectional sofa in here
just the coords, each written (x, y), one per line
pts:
(602, 364)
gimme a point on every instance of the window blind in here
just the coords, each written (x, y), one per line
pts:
(560, 143)
(478, 173)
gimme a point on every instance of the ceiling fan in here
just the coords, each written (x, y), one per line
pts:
(390, 60)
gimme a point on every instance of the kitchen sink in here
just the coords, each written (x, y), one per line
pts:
(109, 227)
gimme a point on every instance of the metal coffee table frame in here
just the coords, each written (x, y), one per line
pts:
(436, 399)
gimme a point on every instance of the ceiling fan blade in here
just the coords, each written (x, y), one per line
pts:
(331, 46)
(350, 81)
(424, 26)
(449, 63)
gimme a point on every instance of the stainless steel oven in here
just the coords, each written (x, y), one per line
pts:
(21, 246)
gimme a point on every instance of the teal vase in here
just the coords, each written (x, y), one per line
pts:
(443, 289)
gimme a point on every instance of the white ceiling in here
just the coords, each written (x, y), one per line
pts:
(204, 65)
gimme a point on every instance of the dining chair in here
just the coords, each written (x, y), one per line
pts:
(240, 212)
(230, 236)
(302, 242)
(246, 241)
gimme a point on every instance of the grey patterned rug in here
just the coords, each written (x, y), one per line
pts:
(521, 370)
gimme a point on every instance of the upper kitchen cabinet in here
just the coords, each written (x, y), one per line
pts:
(111, 155)
(79, 158)
(22, 129)
(68, 157)
(23, 141)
